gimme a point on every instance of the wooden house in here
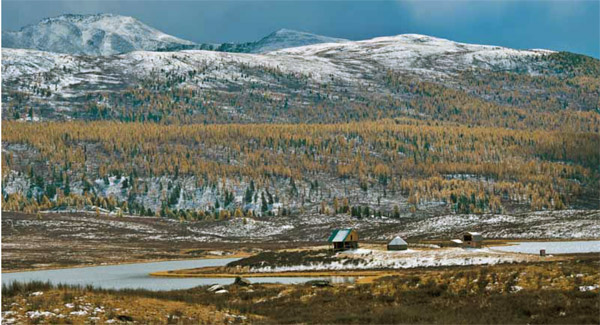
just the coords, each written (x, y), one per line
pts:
(472, 239)
(342, 239)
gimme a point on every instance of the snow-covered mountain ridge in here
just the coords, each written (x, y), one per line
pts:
(350, 62)
(360, 72)
(101, 34)
(415, 51)
(423, 55)
(108, 34)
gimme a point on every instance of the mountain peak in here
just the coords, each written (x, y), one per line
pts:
(286, 31)
(95, 34)
(286, 38)
(86, 19)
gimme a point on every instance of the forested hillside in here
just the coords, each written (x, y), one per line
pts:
(391, 126)
(219, 171)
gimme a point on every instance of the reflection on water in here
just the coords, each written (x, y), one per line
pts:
(136, 276)
(341, 279)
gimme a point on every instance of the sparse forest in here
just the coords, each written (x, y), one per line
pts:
(336, 166)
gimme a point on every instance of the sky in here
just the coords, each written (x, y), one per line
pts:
(566, 25)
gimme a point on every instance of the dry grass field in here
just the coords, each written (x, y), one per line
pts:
(561, 292)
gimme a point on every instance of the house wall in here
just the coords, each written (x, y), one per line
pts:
(345, 245)
(397, 247)
(353, 236)
(472, 243)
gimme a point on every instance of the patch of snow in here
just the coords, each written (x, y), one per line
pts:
(589, 288)
(78, 313)
(37, 314)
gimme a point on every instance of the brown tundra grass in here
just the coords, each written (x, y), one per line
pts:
(537, 293)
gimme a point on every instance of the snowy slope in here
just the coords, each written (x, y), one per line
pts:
(416, 53)
(346, 68)
(412, 53)
(286, 38)
(354, 63)
(101, 34)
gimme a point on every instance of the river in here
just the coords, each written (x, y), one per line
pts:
(552, 247)
(136, 275)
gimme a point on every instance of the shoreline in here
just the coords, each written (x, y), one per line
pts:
(242, 254)
(361, 276)
(207, 257)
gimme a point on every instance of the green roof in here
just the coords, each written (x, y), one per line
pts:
(339, 235)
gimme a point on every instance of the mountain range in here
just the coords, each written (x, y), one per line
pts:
(134, 118)
(98, 66)
(108, 34)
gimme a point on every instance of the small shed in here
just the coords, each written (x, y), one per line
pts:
(472, 239)
(456, 242)
(344, 239)
(397, 244)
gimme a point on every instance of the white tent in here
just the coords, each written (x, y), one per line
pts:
(397, 244)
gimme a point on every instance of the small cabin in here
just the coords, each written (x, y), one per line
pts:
(472, 239)
(397, 244)
(342, 239)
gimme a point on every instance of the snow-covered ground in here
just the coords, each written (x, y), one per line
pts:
(566, 225)
(411, 258)
(571, 224)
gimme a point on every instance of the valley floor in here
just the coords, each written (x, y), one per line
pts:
(56, 240)
(532, 293)
(429, 283)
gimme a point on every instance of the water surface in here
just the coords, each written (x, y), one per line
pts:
(552, 247)
(137, 276)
